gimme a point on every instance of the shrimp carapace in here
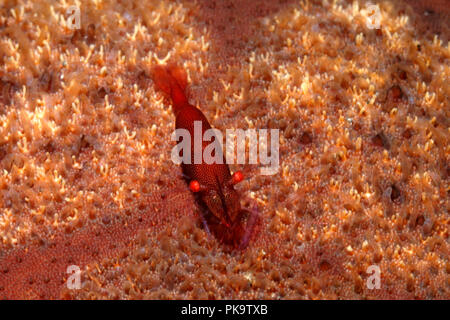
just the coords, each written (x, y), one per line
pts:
(212, 182)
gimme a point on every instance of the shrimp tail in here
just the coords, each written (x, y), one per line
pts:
(171, 80)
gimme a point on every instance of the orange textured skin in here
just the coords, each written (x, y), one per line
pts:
(226, 219)
(39, 271)
(301, 253)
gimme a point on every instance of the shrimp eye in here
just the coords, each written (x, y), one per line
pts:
(237, 177)
(194, 186)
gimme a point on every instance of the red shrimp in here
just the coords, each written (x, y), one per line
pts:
(212, 183)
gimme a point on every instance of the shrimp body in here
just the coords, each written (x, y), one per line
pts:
(212, 182)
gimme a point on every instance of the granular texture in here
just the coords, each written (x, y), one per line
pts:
(86, 177)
